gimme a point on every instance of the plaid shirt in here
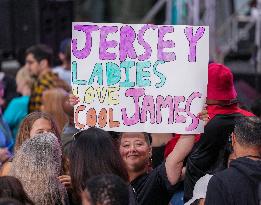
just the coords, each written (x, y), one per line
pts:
(45, 82)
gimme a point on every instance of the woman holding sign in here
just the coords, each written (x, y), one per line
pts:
(158, 185)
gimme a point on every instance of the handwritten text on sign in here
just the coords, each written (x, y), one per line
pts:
(139, 77)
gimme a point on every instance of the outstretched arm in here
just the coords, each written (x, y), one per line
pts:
(174, 161)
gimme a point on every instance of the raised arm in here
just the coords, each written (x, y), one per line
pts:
(174, 161)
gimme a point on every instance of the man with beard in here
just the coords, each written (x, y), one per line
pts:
(239, 183)
(39, 62)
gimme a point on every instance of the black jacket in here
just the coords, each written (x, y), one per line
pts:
(208, 153)
(237, 185)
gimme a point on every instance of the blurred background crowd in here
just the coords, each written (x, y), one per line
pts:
(45, 160)
(234, 29)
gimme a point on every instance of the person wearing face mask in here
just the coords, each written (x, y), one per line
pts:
(34, 123)
(37, 164)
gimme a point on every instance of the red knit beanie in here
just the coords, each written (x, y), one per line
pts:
(220, 83)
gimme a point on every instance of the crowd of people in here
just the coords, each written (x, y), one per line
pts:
(45, 160)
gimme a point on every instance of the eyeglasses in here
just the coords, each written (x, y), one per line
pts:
(229, 146)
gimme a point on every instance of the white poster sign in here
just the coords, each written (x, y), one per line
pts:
(133, 78)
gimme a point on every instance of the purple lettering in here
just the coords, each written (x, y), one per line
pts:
(147, 54)
(165, 56)
(195, 120)
(179, 118)
(85, 52)
(104, 44)
(135, 93)
(148, 106)
(193, 39)
(127, 37)
(167, 102)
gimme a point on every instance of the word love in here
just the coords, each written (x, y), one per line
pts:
(127, 36)
(103, 94)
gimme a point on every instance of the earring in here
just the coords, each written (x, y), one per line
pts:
(150, 164)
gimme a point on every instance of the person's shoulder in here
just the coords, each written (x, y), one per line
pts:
(47, 75)
(20, 100)
(51, 74)
(227, 177)
(229, 172)
(48, 78)
(217, 183)
(16, 102)
(217, 191)
(57, 69)
(159, 174)
(159, 169)
(5, 169)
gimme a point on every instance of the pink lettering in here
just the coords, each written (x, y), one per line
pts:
(163, 103)
(135, 93)
(193, 39)
(148, 106)
(127, 37)
(195, 120)
(85, 52)
(147, 54)
(179, 118)
(105, 44)
(165, 56)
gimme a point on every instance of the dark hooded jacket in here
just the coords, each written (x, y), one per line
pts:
(237, 185)
(209, 150)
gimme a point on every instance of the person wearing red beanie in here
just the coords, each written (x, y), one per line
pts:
(223, 111)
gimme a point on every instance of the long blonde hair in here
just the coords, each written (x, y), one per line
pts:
(23, 75)
(52, 103)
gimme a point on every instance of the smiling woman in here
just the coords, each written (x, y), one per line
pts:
(158, 185)
(136, 152)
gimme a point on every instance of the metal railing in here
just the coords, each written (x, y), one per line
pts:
(156, 8)
(229, 34)
(236, 34)
(226, 36)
